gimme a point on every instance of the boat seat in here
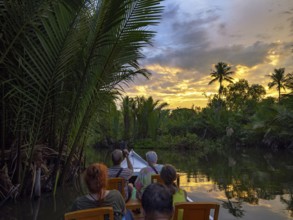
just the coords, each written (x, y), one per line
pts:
(118, 183)
(196, 210)
(156, 178)
(91, 214)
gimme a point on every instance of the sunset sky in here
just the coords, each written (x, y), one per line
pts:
(254, 36)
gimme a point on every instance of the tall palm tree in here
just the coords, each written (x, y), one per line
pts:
(126, 105)
(60, 62)
(221, 73)
(147, 116)
(289, 81)
(154, 109)
(278, 78)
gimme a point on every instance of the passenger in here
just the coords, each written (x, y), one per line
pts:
(157, 202)
(169, 175)
(117, 171)
(95, 177)
(144, 177)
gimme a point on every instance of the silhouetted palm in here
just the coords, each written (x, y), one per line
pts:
(289, 81)
(221, 73)
(147, 115)
(278, 78)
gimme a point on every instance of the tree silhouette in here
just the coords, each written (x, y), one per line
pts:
(221, 73)
(278, 78)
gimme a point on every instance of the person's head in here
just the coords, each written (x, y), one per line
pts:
(151, 157)
(157, 202)
(96, 176)
(117, 157)
(168, 174)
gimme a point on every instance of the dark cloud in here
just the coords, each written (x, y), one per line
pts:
(278, 28)
(174, 91)
(166, 84)
(287, 54)
(170, 11)
(251, 55)
(202, 59)
(288, 13)
(198, 22)
(175, 30)
(191, 40)
(190, 75)
(263, 36)
(222, 29)
(291, 24)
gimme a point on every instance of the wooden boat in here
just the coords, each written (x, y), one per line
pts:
(138, 163)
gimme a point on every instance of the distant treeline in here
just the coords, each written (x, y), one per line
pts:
(240, 115)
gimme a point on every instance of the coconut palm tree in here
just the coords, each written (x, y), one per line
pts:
(147, 116)
(60, 62)
(126, 109)
(278, 78)
(221, 73)
(289, 81)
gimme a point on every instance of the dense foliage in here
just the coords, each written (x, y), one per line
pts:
(62, 63)
(241, 117)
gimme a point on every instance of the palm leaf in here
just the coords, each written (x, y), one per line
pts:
(116, 40)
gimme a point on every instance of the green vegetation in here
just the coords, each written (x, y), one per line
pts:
(62, 64)
(239, 116)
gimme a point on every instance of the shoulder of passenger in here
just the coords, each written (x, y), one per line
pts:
(143, 170)
(114, 192)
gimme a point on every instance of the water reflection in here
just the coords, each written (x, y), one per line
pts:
(250, 184)
(288, 202)
(251, 177)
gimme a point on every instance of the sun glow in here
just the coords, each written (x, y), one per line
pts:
(241, 72)
(159, 69)
(273, 57)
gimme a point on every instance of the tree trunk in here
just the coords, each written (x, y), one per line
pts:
(2, 128)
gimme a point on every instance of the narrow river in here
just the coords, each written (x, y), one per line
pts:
(249, 184)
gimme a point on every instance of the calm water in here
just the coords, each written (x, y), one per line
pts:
(250, 184)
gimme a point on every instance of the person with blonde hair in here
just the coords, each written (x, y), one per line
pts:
(95, 177)
(144, 177)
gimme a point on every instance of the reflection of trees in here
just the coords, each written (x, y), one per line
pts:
(245, 192)
(234, 207)
(248, 179)
(266, 194)
(288, 202)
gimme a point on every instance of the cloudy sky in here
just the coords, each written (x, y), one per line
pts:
(254, 36)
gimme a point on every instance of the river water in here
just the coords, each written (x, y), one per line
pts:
(249, 184)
